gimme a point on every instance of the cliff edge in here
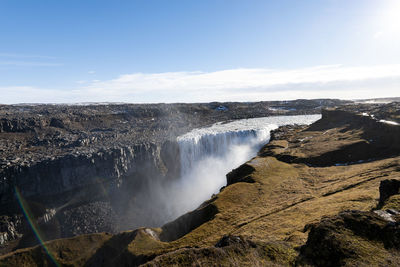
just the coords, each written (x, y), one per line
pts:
(320, 195)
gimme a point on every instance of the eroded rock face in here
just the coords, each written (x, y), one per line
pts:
(53, 177)
(10, 228)
(17, 125)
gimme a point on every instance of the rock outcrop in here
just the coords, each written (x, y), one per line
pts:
(354, 237)
(240, 174)
(387, 189)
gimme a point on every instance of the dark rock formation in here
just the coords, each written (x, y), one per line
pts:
(58, 123)
(240, 174)
(188, 222)
(94, 217)
(388, 188)
(10, 228)
(228, 240)
(333, 241)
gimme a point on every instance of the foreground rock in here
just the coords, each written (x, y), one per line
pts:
(354, 238)
(311, 197)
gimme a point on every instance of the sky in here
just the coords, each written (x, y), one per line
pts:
(151, 51)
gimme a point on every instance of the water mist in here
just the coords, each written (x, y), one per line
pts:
(206, 156)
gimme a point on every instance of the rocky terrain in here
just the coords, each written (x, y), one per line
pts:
(78, 167)
(320, 195)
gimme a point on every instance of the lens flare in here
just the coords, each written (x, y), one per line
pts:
(33, 224)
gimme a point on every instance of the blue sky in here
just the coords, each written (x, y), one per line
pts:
(196, 51)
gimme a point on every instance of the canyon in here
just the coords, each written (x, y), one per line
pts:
(90, 168)
(92, 174)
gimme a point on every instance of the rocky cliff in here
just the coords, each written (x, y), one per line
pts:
(83, 165)
(314, 195)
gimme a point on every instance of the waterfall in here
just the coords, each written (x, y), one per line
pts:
(193, 150)
(208, 154)
(219, 139)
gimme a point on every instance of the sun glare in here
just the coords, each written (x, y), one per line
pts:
(388, 21)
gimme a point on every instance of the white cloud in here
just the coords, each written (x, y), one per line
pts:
(91, 72)
(333, 81)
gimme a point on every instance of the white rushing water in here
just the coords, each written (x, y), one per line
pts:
(218, 140)
(206, 156)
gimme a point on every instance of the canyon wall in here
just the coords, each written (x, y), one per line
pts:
(100, 168)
